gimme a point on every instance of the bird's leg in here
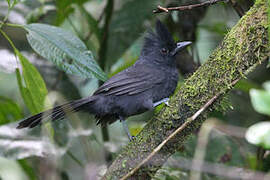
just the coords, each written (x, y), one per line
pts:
(165, 100)
(125, 127)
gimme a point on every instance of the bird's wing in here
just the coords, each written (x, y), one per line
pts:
(131, 81)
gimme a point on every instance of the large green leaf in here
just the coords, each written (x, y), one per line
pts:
(9, 111)
(64, 49)
(31, 85)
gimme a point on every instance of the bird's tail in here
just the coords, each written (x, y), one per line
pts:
(56, 113)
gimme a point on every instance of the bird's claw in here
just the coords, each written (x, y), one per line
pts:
(167, 103)
(125, 126)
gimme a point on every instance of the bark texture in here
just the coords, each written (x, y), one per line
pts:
(242, 49)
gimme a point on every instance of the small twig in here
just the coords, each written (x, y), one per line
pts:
(161, 9)
(184, 125)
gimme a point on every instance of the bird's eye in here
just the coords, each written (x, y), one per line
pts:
(164, 51)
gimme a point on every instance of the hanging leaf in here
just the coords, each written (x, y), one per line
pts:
(31, 85)
(64, 49)
(9, 111)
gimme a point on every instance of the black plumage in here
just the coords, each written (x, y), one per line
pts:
(132, 91)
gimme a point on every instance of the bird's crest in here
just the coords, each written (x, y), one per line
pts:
(163, 33)
(158, 39)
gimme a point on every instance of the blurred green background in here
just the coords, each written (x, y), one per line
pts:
(113, 31)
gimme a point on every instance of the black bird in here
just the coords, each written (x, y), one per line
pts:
(141, 87)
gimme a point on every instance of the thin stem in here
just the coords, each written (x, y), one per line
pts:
(5, 18)
(12, 45)
(9, 9)
(11, 25)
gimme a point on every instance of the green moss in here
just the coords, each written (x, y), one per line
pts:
(124, 163)
(225, 64)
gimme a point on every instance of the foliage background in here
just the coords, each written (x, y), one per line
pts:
(113, 31)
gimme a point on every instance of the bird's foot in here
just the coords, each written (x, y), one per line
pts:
(125, 127)
(165, 101)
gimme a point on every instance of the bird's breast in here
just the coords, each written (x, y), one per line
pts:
(168, 85)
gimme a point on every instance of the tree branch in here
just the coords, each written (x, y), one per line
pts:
(161, 9)
(243, 48)
(178, 130)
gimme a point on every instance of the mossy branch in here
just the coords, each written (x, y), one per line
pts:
(243, 48)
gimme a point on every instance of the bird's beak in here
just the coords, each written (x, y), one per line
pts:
(180, 46)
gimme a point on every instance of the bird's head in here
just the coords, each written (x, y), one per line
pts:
(159, 46)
